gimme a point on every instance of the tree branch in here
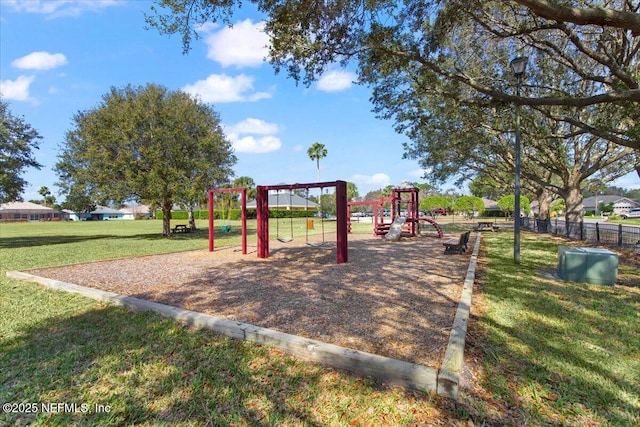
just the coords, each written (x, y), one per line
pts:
(594, 16)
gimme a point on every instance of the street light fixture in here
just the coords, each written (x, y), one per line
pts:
(518, 66)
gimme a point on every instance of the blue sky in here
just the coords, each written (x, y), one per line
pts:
(61, 57)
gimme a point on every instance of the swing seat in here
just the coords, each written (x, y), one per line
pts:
(285, 239)
(316, 245)
(225, 228)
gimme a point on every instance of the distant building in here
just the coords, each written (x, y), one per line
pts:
(101, 213)
(136, 212)
(491, 205)
(29, 212)
(286, 200)
(620, 204)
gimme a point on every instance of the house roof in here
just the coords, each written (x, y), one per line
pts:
(286, 200)
(105, 210)
(139, 209)
(490, 204)
(589, 202)
(24, 206)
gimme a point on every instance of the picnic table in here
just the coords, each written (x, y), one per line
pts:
(485, 225)
(181, 228)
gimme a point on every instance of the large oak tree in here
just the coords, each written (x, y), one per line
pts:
(18, 141)
(145, 143)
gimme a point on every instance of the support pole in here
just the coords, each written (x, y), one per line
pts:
(244, 221)
(262, 219)
(211, 232)
(516, 215)
(341, 222)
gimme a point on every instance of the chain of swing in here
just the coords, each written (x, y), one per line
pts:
(289, 238)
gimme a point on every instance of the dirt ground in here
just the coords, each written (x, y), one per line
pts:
(393, 299)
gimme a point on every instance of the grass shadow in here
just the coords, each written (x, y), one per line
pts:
(141, 367)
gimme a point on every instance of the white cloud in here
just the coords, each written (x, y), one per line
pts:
(40, 61)
(254, 126)
(242, 136)
(243, 45)
(335, 81)
(59, 8)
(222, 88)
(375, 181)
(18, 89)
(207, 27)
(250, 144)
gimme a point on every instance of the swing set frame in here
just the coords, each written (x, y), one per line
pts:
(262, 215)
(243, 194)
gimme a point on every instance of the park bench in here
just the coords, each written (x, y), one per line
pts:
(457, 245)
(181, 228)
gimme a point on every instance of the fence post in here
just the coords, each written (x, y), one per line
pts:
(581, 230)
(619, 235)
(597, 232)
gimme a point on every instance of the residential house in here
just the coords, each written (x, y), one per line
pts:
(99, 214)
(28, 211)
(621, 205)
(136, 212)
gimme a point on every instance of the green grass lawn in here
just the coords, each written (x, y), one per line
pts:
(542, 351)
(563, 353)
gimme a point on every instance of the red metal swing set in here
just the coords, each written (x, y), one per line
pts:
(262, 215)
(243, 194)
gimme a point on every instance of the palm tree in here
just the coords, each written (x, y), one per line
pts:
(248, 183)
(316, 152)
(44, 192)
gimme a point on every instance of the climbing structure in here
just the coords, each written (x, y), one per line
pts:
(404, 203)
(432, 222)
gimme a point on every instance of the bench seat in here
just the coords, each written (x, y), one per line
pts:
(459, 245)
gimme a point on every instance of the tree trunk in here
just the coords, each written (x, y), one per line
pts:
(573, 202)
(192, 219)
(544, 204)
(167, 204)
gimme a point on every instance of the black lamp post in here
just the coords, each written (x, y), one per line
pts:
(518, 65)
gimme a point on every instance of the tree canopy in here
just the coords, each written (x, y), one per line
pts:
(508, 205)
(440, 69)
(590, 41)
(148, 144)
(18, 141)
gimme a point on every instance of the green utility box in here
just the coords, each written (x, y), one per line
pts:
(591, 265)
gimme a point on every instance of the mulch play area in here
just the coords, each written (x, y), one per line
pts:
(393, 299)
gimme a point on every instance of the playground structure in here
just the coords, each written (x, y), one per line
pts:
(403, 200)
(377, 212)
(262, 215)
(243, 194)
